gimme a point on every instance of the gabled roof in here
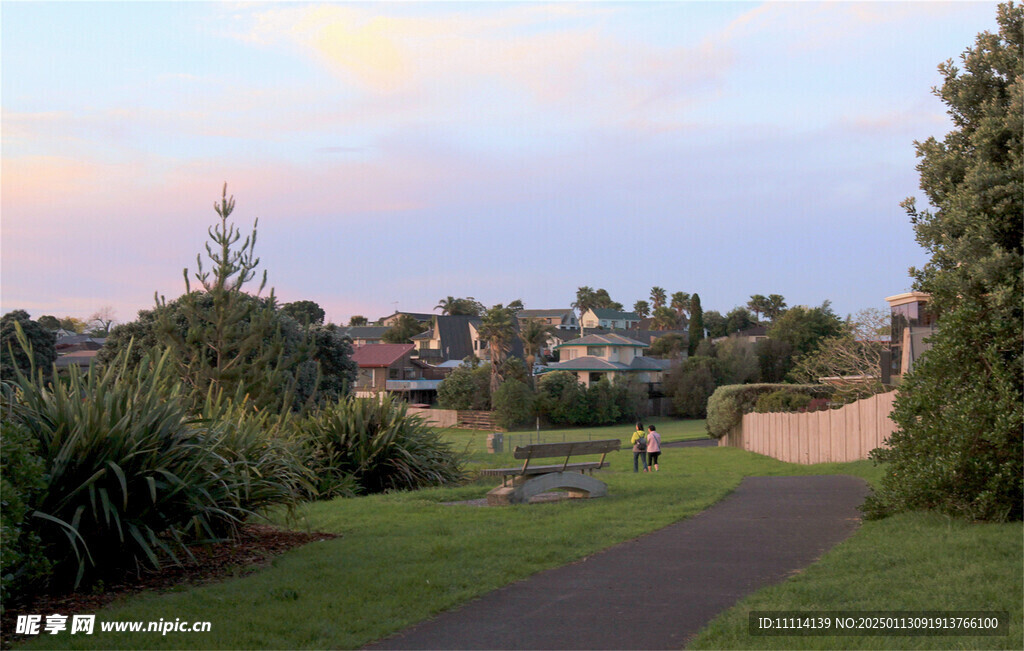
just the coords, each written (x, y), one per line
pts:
(538, 314)
(605, 313)
(453, 332)
(603, 340)
(366, 332)
(590, 363)
(380, 355)
(754, 331)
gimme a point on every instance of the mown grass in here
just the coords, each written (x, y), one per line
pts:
(404, 557)
(909, 562)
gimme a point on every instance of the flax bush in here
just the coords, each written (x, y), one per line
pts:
(132, 476)
(373, 445)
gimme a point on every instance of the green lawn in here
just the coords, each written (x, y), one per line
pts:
(404, 557)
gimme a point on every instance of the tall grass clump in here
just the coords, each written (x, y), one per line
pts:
(373, 445)
(131, 477)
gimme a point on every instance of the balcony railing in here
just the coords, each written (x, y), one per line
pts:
(412, 385)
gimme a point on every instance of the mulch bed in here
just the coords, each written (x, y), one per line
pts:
(254, 549)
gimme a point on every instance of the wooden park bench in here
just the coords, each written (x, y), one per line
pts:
(518, 485)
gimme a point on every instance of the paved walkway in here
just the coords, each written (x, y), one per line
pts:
(657, 591)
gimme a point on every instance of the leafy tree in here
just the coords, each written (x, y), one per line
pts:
(804, 328)
(513, 404)
(658, 297)
(452, 306)
(498, 329)
(562, 399)
(13, 356)
(72, 324)
(232, 343)
(774, 359)
(405, 328)
(534, 334)
(357, 320)
(775, 306)
(49, 322)
(331, 362)
(715, 324)
(667, 346)
(664, 319)
(603, 300)
(959, 447)
(681, 304)
(305, 312)
(844, 356)
(692, 383)
(466, 387)
(696, 322)
(642, 309)
(758, 304)
(738, 360)
(739, 318)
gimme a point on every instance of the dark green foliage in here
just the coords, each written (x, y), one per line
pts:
(782, 400)
(13, 357)
(728, 403)
(739, 318)
(692, 383)
(131, 475)
(498, 328)
(378, 446)
(774, 359)
(513, 404)
(562, 399)
(405, 327)
(804, 328)
(49, 322)
(960, 411)
(667, 346)
(305, 312)
(696, 322)
(466, 388)
(715, 325)
(332, 362)
(23, 563)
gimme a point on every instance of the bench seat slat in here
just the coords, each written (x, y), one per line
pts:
(541, 470)
(575, 448)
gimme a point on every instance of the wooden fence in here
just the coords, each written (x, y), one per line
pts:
(482, 420)
(834, 435)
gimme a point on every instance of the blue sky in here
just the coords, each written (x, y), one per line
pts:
(399, 153)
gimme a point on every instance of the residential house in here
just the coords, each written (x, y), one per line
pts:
(608, 319)
(562, 319)
(597, 356)
(448, 338)
(390, 368)
(912, 324)
(752, 334)
(393, 319)
(363, 335)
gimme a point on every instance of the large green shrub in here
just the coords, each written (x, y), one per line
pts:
(373, 445)
(562, 399)
(22, 478)
(728, 403)
(466, 388)
(513, 404)
(781, 400)
(132, 476)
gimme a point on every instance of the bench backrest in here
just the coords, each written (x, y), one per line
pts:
(573, 448)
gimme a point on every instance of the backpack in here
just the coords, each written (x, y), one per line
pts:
(641, 444)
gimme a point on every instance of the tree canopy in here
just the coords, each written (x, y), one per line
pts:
(960, 415)
(13, 356)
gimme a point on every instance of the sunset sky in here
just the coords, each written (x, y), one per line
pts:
(399, 153)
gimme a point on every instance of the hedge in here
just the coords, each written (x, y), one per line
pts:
(728, 403)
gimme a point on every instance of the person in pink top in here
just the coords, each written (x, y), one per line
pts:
(653, 448)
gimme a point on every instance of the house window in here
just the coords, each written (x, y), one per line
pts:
(595, 351)
(392, 373)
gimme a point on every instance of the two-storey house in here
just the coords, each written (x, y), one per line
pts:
(597, 356)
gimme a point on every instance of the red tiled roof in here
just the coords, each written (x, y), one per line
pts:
(378, 355)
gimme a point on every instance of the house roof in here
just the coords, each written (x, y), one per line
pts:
(605, 313)
(453, 333)
(536, 314)
(79, 358)
(419, 316)
(380, 355)
(366, 332)
(590, 363)
(609, 339)
(754, 331)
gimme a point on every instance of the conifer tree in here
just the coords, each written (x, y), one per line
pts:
(696, 323)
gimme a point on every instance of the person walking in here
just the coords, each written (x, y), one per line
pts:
(639, 448)
(653, 447)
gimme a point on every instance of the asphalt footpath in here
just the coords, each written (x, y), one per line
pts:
(657, 591)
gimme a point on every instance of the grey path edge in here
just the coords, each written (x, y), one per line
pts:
(657, 591)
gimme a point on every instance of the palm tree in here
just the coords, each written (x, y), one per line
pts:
(775, 307)
(642, 309)
(680, 303)
(758, 304)
(534, 333)
(664, 319)
(657, 298)
(585, 299)
(453, 306)
(498, 330)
